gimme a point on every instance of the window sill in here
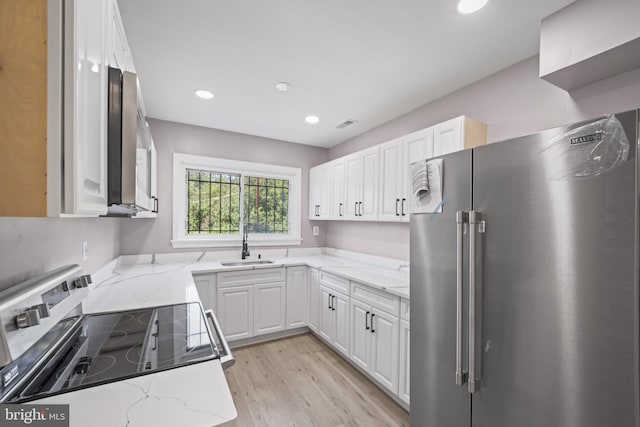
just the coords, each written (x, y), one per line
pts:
(202, 243)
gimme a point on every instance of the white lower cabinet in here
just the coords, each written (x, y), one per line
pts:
(250, 302)
(384, 348)
(235, 312)
(206, 286)
(360, 334)
(374, 343)
(375, 333)
(404, 386)
(297, 297)
(334, 318)
(269, 308)
(314, 299)
(369, 327)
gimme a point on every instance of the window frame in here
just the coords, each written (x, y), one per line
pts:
(182, 162)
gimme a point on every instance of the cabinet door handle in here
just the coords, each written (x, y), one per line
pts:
(366, 321)
(333, 305)
(403, 201)
(329, 302)
(355, 208)
(397, 201)
(360, 209)
(372, 330)
(155, 205)
(340, 210)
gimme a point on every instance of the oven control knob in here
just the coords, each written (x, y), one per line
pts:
(43, 309)
(82, 281)
(29, 318)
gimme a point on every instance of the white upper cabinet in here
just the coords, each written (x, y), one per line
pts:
(458, 134)
(416, 146)
(392, 175)
(361, 185)
(120, 55)
(336, 209)
(375, 184)
(85, 145)
(319, 191)
(352, 181)
(395, 179)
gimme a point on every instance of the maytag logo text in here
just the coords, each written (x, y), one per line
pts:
(586, 138)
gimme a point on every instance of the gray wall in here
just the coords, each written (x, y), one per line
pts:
(154, 236)
(31, 246)
(512, 102)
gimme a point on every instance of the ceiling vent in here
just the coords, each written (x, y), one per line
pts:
(346, 123)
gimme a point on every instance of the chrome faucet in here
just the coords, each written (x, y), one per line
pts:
(245, 245)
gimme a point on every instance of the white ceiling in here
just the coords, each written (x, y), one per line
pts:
(346, 59)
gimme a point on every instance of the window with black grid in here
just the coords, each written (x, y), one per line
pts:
(266, 204)
(213, 202)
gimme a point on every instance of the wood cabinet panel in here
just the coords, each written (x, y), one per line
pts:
(23, 107)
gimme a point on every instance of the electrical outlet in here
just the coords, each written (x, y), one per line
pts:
(85, 250)
(316, 230)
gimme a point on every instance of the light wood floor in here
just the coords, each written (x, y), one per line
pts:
(299, 381)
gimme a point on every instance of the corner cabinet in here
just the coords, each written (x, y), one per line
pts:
(319, 192)
(314, 298)
(375, 184)
(297, 297)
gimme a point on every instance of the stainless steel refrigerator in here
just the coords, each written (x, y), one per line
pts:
(524, 289)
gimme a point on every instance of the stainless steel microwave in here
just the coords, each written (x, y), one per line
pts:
(122, 142)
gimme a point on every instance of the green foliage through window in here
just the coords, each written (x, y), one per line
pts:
(213, 203)
(266, 205)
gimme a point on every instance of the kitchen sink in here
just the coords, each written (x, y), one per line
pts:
(246, 262)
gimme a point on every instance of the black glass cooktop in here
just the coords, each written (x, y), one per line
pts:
(113, 346)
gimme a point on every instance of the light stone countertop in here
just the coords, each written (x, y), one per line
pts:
(194, 395)
(198, 394)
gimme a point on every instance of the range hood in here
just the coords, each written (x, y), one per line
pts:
(589, 41)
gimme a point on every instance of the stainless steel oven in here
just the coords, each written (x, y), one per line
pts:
(50, 347)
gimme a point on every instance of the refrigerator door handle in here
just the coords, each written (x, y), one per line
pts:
(474, 379)
(461, 219)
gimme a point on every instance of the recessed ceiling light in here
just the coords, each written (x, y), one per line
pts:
(204, 94)
(283, 86)
(312, 120)
(470, 6)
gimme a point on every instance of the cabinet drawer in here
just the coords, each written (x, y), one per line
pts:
(334, 282)
(404, 309)
(251, 277)
(377, 299)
